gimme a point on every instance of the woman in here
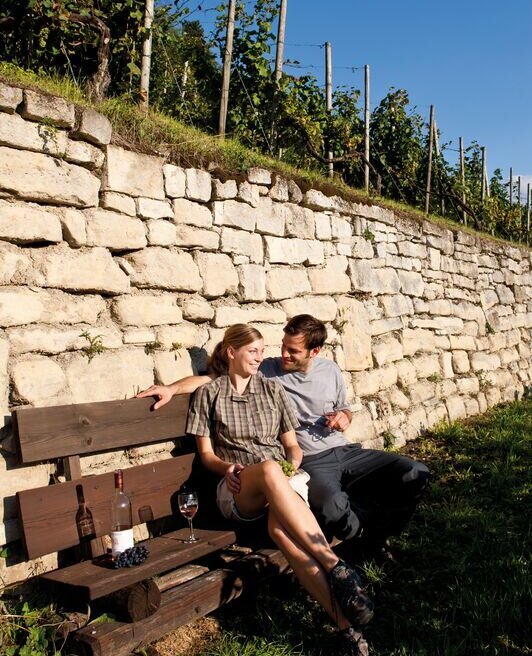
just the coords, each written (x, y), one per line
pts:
(244, 425)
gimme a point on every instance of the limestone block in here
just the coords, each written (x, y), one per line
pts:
(383, 326)
(437, 415)
(279, 190)
(411, 283)
(434, 259)
(416, 423)
(134, 174)
(34, 176)
(110, 376)
(161, 233)
(139, 335)
(446, 388)
(219, 274)
(235, 214)
(485, 361)
(192, 237)
(185, 335)
(165, 269)
(172, 365)
(240, 242)
(174, 180)
(89, 270)
(148, 208)
(26, 223)
(38, 380)
(455, 408)
(332, 278)
(361, 248)
(196, 308)
(426, 365)
(198, 185)
(15, 264)
(505, 295)
(418, 340)
(83, 153)
(398, 399)
(52, 340)
(341, 229)
(406, 373)
(92, 126)
(463, 342)
(482, 402)
(411, 249)
(271, 218)
(114, 231)
(118, 203)
(442, 342)
(442, 325)
(386, 350)
(355, 334)
(323, 226)
(146, 310)
(18, 307)
(252, 286)
(38, 107)
(59, 308)
(10, 98)
(14, 479)
(295, 194)
(285, 282)
(366, 278)
(322, 307)
(293, 251)
(18, 133)
(249, 193)
(317, 200)
(396, 306)
(471, 407)
(460, 362)
(468, 385)
(422, 391)
(299, 221)
(228, 315)
(224, 190)
(362, 428)
(446, 364)
(259, 176)
(191, 213)
(493, 396)
(367, 383)
(508, 355)
(440, 307)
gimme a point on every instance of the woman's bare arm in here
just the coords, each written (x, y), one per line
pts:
(215, 464)
(293, 451)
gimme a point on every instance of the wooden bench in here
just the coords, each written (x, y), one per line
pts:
(154, 597)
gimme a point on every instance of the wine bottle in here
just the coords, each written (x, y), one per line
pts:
(85, 525)
(122, 528)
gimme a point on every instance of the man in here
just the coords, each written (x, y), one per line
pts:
(354, 492)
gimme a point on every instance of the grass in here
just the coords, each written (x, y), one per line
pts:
(463, 585)
(157, 133)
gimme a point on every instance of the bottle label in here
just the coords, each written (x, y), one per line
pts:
(121, 540)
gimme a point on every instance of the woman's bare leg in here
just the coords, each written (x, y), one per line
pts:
(307, 569)
(265, 483)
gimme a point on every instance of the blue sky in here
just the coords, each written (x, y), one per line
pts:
(470, 58)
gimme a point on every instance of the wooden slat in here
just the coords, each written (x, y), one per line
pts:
(48, 514)
(181, 605)
(55, 432)
(89, 580)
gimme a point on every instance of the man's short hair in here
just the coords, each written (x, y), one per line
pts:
(313, 329)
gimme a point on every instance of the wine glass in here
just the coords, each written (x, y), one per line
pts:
(188, 507)
(329, 410)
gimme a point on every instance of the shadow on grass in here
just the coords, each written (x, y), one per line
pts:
(463, 585)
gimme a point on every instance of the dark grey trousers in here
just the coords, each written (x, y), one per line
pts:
(351, 488)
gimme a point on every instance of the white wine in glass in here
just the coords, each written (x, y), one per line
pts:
(188, 507)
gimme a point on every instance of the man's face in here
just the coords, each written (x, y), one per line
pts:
(295, 356)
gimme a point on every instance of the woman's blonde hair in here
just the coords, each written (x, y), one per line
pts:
(236, 336)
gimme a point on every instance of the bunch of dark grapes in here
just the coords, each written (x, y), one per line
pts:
(131, 557)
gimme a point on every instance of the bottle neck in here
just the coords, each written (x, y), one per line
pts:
(119, 481)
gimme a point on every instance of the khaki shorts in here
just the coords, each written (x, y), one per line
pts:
(226, 501)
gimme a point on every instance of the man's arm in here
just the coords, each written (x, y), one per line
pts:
(183, 386)
(340, 420)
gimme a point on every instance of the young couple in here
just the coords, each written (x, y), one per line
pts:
(245, 424)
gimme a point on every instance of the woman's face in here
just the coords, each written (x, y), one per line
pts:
(245, 360)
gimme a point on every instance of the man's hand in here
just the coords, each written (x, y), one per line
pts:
(163, 392)
(232, 479)
(339, 420)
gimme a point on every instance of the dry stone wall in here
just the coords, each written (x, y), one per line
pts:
(101, 245)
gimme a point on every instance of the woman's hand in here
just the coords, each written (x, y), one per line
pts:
(232, 479)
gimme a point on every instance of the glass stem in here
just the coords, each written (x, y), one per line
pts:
(192, 536)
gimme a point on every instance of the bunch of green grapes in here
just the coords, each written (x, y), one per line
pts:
(288, 468)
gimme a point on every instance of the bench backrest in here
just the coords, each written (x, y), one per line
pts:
(48, 514)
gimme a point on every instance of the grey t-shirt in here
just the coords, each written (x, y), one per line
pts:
(313, 393)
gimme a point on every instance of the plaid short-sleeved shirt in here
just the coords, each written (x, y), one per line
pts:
(244, 428)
